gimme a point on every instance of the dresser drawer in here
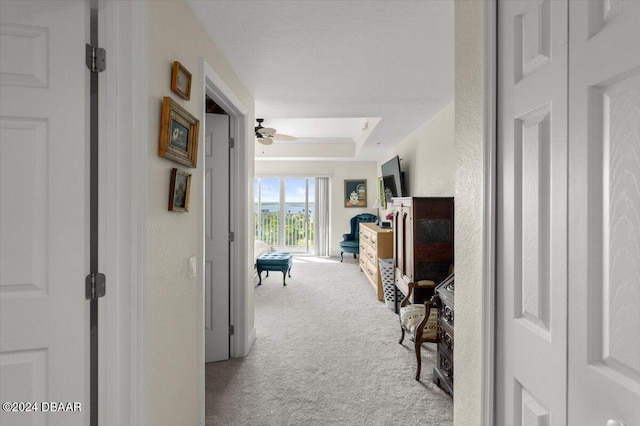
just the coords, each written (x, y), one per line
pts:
(362, 261)
(373, 238)
(371, 254)
(443, 373)
(365, 235)
(445, 340)
(371, 270)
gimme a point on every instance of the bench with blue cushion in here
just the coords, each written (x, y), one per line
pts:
(276, 261)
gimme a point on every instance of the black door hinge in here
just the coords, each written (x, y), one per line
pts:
(232, 143)
(95, 286)
(232, 330)
(96, 58)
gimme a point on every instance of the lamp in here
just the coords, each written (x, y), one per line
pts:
(376, 205)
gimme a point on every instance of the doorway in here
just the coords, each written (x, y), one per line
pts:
(217, 232)
(240, 333)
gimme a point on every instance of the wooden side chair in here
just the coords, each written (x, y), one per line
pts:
(420, 321)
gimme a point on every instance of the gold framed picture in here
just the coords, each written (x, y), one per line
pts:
(180, 80)
(178, 134)
(179, 190)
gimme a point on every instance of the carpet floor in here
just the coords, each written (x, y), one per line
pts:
(326, 353)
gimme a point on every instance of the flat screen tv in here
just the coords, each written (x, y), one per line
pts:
(393, 179)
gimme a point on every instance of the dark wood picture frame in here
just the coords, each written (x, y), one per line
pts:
(180, 80)
(178, 134)
(357, 187)
(179, 190)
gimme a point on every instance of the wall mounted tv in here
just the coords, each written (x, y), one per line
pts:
(393, 179)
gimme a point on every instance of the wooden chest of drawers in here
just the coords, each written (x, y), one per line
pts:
(443, 373)
(424, 229)
(375, 243)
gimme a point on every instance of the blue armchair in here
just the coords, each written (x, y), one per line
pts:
(351, 242)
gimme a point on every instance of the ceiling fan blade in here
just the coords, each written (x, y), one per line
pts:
(267, 131)
(265, 141)
(284, 137)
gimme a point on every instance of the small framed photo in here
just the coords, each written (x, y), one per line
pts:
(178, 134)
(381, 197)
(355, 193)
(180, 80)
(179, 190)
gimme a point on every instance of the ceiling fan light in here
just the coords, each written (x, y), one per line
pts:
(265, 141)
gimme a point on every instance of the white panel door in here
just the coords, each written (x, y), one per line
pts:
(43, 208)
(216, 238)
(604, 213)
(532, 213)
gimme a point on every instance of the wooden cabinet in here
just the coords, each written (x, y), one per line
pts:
(423, 242)
(375, 243)
(443, 372)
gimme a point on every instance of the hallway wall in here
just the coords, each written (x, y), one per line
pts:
(428, 156)
(469, 238)
(174, 301)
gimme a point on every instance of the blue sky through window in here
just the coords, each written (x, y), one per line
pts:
(294, 190)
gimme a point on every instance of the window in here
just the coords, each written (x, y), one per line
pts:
(284, 212)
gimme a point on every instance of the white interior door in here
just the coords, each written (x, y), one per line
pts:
(604, 213)
(43, 208)
(217, 237)
(532, 213)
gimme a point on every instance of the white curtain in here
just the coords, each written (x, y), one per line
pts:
(322, 214)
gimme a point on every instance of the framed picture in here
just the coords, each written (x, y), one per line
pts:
(180, 80)
(355, 193)
(179, 190)
(381, 197)
(178, 134)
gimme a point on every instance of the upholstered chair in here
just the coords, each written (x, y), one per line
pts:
(351, 242)
(419, 321)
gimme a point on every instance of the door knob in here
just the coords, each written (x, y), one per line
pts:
(612, 422)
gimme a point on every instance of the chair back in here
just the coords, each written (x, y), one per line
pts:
(355, 223)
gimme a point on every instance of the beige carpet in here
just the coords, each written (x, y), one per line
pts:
(326, 353)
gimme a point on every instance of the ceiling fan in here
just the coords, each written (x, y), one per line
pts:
(266, 135)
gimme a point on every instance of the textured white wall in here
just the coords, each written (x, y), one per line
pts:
(428, 156)
(469, 78)
(338, 171)
(174, 305)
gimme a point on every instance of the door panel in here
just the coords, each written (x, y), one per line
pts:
(43, 207)
(531, 240)
(604, 350)
(217, 238)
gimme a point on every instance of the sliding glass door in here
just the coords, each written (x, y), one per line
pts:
(284, 212)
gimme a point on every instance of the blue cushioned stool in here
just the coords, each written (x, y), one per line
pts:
(276, 261)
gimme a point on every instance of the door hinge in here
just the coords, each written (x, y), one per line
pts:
(232, 236)
(95, 286)
(232, 330)
(232, 143)
(96, 58)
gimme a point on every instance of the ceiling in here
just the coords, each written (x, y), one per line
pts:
(354, 77)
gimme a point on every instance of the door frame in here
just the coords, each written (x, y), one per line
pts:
(123, 221)
(490, 140)
(242, 339)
